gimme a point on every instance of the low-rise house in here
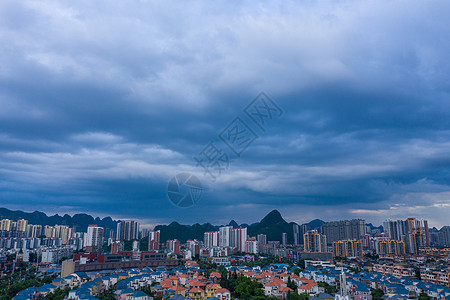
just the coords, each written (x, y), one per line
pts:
(310, 288)
(223, 294)
(139, 295)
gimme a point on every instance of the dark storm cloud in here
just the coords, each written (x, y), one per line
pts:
(102, 104)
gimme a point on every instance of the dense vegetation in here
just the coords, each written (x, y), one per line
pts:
(23, 278)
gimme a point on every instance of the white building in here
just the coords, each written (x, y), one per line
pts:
(225, 236)
(94, 236)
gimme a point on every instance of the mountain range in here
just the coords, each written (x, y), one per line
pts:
(80, 221)
(273, 225)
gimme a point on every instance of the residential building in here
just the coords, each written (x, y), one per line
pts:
(94, 238)
(153, 240)
(314, 241)
(344, 230)
(225, 236)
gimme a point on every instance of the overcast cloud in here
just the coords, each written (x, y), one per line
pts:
(101, 103)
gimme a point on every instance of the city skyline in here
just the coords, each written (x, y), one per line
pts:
(102, 105)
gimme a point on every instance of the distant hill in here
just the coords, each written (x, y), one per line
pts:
(315, 224)
(39, 218)
(183, 232)
(273, 225)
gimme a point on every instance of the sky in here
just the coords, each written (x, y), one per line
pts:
(102, 103)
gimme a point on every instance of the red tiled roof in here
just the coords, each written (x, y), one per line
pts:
(215, 274)
(302, 279)
(271, 284)
(307, 286)
(222, 291)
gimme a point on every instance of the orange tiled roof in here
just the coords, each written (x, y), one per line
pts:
(222, 291)
(271, 284)
(285, 289)
(215, 274)
(196, 290)
(197, 283)
(302, 279)
(307, 286)
(278, 280)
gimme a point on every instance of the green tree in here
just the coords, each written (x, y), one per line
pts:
(301, 263)
(291, 284)
(424, 296)
(246, 288)
(377, 294)
(58, 294)
(417, 273)
(328, 288)
(108, 294)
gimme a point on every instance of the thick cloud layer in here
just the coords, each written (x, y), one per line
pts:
(102, 103)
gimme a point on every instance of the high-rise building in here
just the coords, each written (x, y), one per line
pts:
(344, 230)
(298, 232)
(397, 229)
(94, 237)
(153, 240)
(238, 238)
(396, 248)
(22, 225)
(413, 232)
(193, 246)
(314, 241)
(144, 232)
(49, 231)
(382, 247)
(34, 231)
(443, 236)
(262, 239)
(415, 240)
(63, 232)
(211, 239)
(252, 246)
(284, 238)
(120, 231)
(225, 236)
(173, 246)
(348, 248)
(5, 224)
(116, 247)
(127, 231)
(303, 229)
(133, 232)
